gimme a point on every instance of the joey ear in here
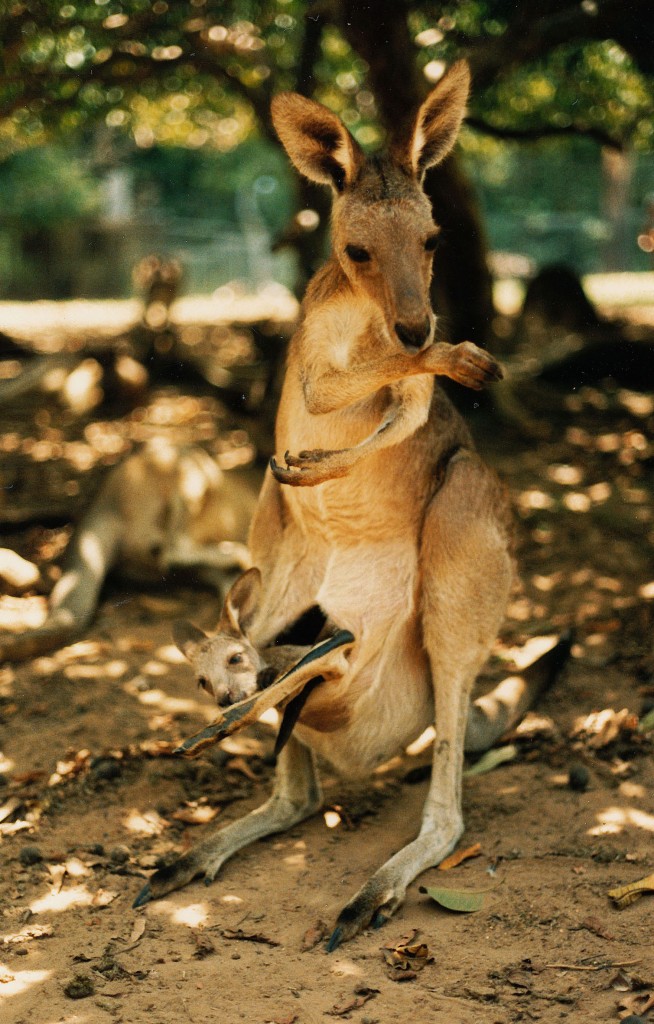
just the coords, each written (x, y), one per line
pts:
(241, 603)
(439, 119)
(316, 140)
(187, 637)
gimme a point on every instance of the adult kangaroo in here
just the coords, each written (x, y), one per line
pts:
(384, 519)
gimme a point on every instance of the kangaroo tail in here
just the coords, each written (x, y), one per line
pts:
(497, 711)
(74, 598)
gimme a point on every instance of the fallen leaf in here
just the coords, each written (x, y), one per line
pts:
(204, 947)
(314, 935)
(459, 856)
(646, 723)
(603, 727)
(625, 895)
(361, 996)
(404, 960)
(239, 764)
(594, 925)
(638, 1003)
(157, 748)
(8, 808)
(194, 813)
(462, 900)
(239, 935)
(103, 897)
(30, 931)
(57, 874)
(625, 982)
(492, 759)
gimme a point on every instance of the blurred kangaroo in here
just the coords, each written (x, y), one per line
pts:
(384, 520)
(165, 508)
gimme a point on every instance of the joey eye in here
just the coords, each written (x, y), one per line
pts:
(432, 242)
(235, 659)
(357, 254)
(203, 684)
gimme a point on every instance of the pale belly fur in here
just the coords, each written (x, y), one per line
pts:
(371, 589)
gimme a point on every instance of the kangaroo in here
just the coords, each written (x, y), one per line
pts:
(381, 518)
(165, 508)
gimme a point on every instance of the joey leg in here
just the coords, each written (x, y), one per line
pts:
(466, 579)
(296, 795)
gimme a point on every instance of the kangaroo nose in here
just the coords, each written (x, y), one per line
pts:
(413, 335)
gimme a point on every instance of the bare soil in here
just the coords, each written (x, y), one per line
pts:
(92, 800)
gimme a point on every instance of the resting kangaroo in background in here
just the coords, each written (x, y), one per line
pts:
(384, 519)
(164, 508)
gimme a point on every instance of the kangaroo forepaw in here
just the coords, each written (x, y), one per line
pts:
(309, 467)
(473, 366)
(371, 908)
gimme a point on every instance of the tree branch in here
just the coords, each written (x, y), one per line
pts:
(545, 132)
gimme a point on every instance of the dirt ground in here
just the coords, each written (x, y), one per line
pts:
(91, 800)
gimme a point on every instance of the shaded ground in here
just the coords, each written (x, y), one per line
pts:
(90, 801)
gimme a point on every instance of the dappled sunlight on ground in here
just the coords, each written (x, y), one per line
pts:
(58, 900)
(14, 983)
(614, 820)
(145, 823)
(192, 915)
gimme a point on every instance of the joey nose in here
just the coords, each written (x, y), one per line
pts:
(413, 335)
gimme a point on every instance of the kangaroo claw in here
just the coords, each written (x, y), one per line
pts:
(334, 940)
(143, 897)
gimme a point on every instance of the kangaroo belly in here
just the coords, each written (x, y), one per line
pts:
(385, 699)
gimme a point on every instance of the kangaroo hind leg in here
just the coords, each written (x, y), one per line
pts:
(466, 578)
(296, 795)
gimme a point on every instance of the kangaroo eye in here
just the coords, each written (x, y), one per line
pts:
(357, 254)
(235, 659)
(203, 684)
(432, 243)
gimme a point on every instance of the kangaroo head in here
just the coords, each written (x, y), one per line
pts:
(383, 232)
(226, 664)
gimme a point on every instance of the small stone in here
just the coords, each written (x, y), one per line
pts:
(79, 987)
(578, 778)
(106, 769)
(30, 855)
(119, 854)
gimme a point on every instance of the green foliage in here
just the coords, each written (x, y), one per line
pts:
(46, 185)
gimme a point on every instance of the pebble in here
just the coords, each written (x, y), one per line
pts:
(578, 778)
(119, 854)
(30, 855)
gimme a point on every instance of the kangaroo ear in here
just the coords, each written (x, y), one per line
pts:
(439, 119)
(241, 603)
(316, 140)
(187, 637)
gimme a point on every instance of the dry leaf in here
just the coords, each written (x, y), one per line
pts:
(594, 925)
(240, 936)
(492, 759)
(625, 895)
(239, 764)
(8, 808)
(459, 856)
(137, 933)
(314, 935)
(103, 897)
(204, 947)
(405, 959)
(157, 748)
(57, 874)
(603, 727)
(30, 931)
(194, 813)
(361, 996)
